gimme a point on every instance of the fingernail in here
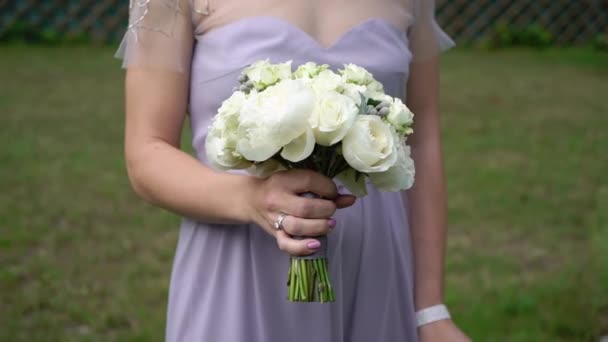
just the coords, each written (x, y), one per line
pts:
(331, 222)
(313, 245)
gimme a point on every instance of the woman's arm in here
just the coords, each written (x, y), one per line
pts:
(159, 171)
(427, 198)
(164, 175)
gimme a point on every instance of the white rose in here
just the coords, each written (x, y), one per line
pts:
(273, 118)
(283, 70)
(309, 70)
(355, 74)
(355, 92)
(264, 74)
(382, 97)
(400, 176)
(332, 117)
(327, 80)
(374, 89)
(370, 145)
(400, 116)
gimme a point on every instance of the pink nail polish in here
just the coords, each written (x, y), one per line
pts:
(331, 223)
(313, 245)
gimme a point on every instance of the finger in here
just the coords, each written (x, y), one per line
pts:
(302, 181)
(308, 208)
(295, 247)
(296, 226)
(345, 201)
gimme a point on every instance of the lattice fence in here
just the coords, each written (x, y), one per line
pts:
(570, 21)
(102, 20)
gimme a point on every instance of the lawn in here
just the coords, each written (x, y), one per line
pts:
(525, 141)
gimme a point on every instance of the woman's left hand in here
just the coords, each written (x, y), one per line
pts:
(442, 331)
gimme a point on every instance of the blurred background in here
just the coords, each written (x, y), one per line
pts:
(525, 117)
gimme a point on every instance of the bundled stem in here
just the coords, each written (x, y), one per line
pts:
(309, 281)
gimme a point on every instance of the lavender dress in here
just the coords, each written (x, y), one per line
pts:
(229, 282)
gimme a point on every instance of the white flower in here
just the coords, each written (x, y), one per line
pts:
(266, 169)
(400, 116)
(221, 153)
(355, 92)
(355, 74)
(309, 70)
(370, 145)
(356, 186)
(332, 117)
(221, 140)
(264, 74)
(374, 89)
(233, 104)
(299, 148)
(273, 118)
(400, 176)
(327, 80)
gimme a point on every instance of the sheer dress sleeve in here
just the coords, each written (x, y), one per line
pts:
(159, 35)
(427, 39)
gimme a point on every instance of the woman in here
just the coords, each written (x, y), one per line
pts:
(229, 273)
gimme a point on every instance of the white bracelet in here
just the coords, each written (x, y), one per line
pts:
(432, 314)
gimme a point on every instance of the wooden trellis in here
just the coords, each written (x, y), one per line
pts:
(570, 21)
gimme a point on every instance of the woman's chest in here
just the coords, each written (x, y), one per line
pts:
(325, 21)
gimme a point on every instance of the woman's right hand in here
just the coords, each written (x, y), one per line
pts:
(310, 217)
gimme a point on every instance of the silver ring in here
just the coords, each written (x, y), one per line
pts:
(278, 224)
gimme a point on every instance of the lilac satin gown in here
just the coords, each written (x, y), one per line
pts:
(229, 282)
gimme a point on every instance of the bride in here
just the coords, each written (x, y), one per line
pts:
(386, 250)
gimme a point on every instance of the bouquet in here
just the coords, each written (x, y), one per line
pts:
(340, 124)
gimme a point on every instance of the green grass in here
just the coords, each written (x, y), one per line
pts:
(525, 141)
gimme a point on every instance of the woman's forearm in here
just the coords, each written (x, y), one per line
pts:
(172, 179)
(159, 171)
(427, 200)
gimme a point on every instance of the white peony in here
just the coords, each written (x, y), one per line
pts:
(332, 117)
(264, 74)
(299, 148)
(233, 104)
(355, 74)
(400, 176)
(400, 116)
(370, 145)
(274, 118)
(309, 70)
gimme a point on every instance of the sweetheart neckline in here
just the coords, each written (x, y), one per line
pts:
(294, 28)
